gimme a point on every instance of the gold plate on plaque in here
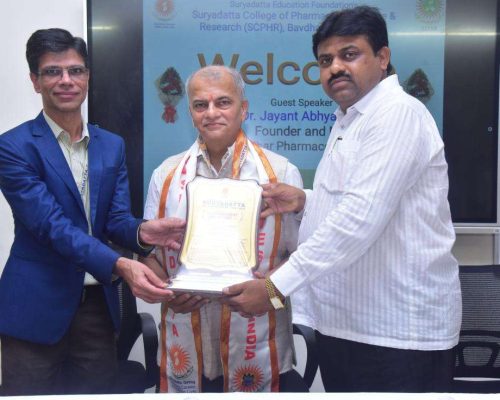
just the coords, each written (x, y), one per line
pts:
(220, 244)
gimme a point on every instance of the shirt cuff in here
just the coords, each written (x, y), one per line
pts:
(287, 279)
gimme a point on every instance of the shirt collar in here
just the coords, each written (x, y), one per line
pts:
(371, 97)
(203, 152)
(58, 131)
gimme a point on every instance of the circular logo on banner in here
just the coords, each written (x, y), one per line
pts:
(180, 362)
(429, 10)
(164, 9)
(248, 378)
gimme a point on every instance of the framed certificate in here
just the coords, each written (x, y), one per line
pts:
(220, 244)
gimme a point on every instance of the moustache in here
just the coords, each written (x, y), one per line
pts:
(337, 76)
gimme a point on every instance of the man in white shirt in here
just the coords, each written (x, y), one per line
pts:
(373, 272)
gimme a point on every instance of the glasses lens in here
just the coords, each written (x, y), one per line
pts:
(51, 72)
(76, 72)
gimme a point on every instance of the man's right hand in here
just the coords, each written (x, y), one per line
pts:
(281, 198)
(181, 304)
(186, 303)
(143, 282)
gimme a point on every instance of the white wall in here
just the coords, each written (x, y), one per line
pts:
(18, 102)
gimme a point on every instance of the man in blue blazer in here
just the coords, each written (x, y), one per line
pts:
(67, 185)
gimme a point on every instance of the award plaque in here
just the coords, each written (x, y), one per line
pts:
(220, 244)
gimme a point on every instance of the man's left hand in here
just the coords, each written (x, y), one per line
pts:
(165, 232)
(248, 298)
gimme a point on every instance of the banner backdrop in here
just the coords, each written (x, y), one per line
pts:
(269, 42)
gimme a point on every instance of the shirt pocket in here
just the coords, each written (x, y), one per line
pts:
(340, 163)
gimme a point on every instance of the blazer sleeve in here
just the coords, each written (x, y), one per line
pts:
(41, 214)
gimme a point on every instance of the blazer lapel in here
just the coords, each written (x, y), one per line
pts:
(51, 149)
(95, 170)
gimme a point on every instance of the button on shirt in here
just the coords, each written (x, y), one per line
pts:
(374, 262)
(76, 156)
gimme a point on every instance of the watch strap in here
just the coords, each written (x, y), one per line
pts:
(273, 296)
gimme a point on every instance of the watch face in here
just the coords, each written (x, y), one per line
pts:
(276, 302)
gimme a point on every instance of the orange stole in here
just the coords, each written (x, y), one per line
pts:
(238, 159)
(195, 316)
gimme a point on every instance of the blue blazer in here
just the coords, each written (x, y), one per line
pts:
(42, 282)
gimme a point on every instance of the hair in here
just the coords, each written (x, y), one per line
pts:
(53, 40)
(362, 20)
(214, 72)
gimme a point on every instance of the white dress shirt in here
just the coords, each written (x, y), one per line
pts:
(374, 262)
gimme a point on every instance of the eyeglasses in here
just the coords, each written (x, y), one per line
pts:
(77, 72)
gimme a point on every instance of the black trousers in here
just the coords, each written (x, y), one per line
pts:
(348, 366)
(83, 361)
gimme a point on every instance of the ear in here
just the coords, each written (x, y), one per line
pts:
(384, 55)
(34, 80)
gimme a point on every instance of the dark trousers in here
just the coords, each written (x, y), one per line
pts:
(348, 366)
(290, 381)
(83, 361)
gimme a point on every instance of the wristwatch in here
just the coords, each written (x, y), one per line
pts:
(273, 296)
